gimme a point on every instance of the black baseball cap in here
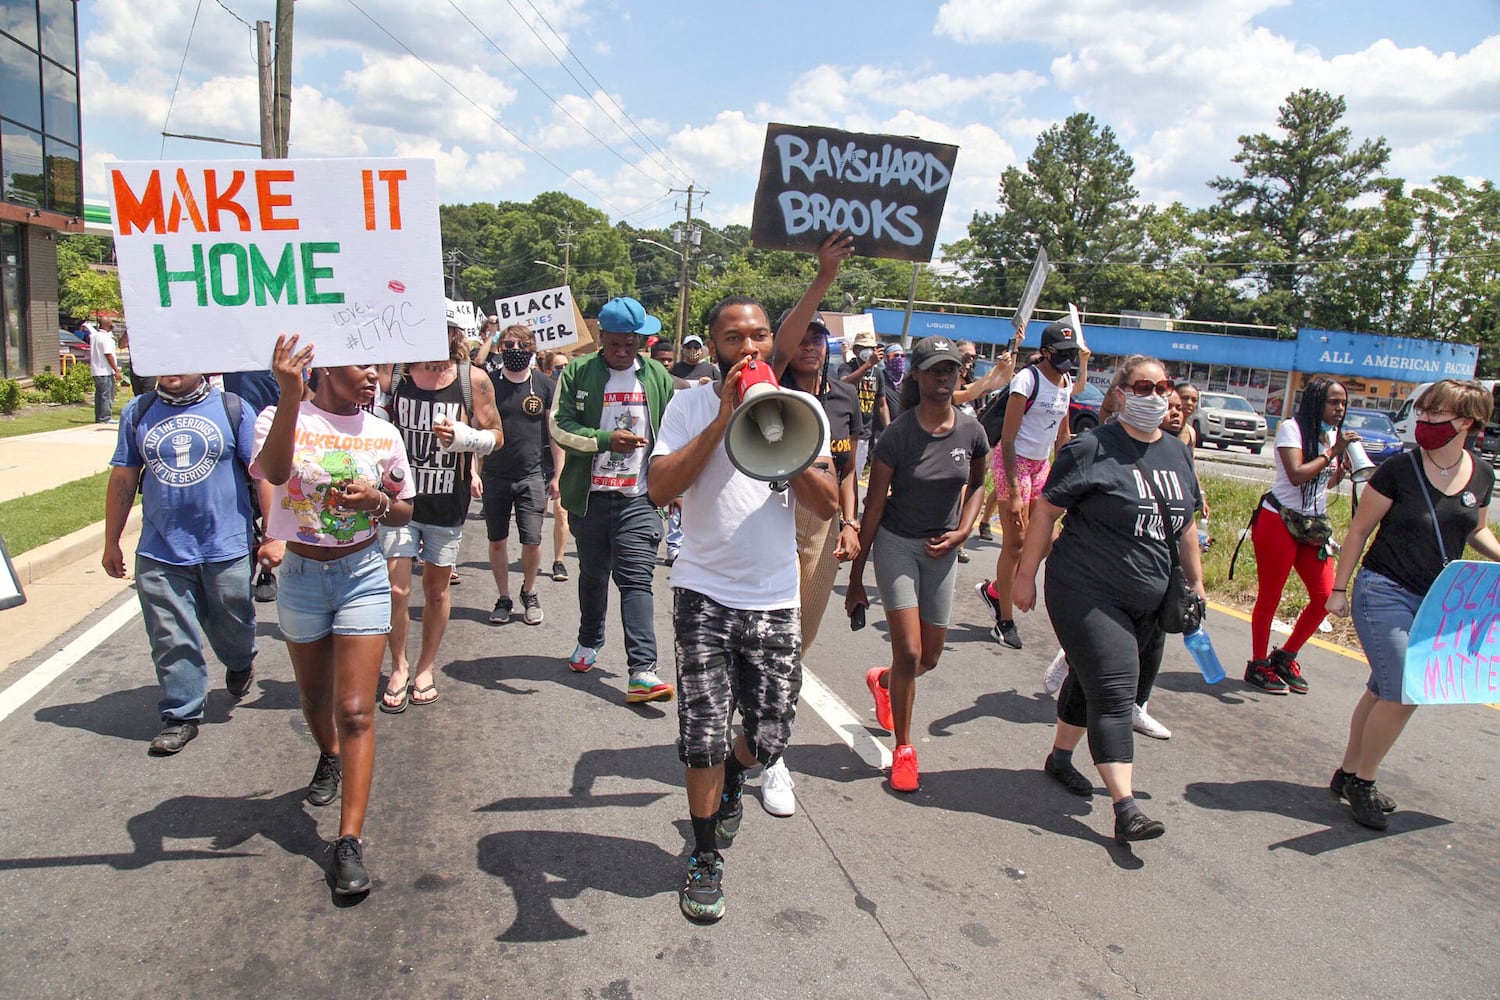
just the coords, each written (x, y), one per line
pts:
(1059, 336)
(930, 351)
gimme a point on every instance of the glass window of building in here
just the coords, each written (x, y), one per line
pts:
(18, 19)
(20, 83)
(64, 178)
(15, 348)
(21, 179)
(59, 35)
(60, 102)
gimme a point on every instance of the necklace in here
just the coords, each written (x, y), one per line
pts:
(1445, 472)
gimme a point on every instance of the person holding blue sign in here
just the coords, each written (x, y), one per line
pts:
(1428, 505)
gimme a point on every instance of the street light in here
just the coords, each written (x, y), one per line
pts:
(551, 265)
(674, 253)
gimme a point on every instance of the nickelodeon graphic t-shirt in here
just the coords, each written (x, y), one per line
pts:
(330, 450)
(195, 498)
(624, 409)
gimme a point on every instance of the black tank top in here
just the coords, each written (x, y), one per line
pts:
(441, 478)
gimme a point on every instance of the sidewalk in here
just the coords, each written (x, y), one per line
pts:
(31, 463)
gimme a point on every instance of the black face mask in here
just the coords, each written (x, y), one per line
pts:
(1063, 362)
(515, 359)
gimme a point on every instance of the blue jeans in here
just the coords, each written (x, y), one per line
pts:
(175, 602)
(618, 536)
(1383, 611)
(674, 534)
(104, 398)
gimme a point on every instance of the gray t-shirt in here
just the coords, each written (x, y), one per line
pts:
(930, 472)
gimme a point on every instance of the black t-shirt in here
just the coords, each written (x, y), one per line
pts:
(930, 473)
(845, 423)
(1113, 542)
(441, 478)
(690, 372)
(871, 386)
(1405, 548)
(893, 396)
(523, 408)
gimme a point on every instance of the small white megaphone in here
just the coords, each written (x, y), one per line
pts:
(1360, 466)
(773, 434)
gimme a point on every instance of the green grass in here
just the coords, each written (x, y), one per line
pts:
(40, 417)
(30, 521)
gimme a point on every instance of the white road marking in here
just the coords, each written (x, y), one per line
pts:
(55, 665)
(842, 720)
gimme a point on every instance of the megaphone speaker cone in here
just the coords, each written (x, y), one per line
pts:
(775, 435)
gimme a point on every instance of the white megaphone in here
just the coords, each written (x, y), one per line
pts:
(1360, 466)
(773, 434)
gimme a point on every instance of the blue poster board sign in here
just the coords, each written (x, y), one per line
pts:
(1453, 656)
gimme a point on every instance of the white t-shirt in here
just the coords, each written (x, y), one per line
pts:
(1312, 496)
(739, 539)
(101, 346)
(1038, 430)
(625, 409)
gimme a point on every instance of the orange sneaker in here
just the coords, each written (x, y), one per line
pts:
(882, 698)
(904, 769)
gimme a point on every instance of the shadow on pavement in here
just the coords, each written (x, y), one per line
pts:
(131, 715)
(1308, 803)
(658, 764)
(1009, 706)
(1229, 691)
(510, 674)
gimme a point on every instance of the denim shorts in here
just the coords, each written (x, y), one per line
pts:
(435, 544)
(907, 577)
(348, 596)
(1383, 611)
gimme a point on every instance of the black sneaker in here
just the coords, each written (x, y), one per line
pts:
(731, 813)
(1258, 673)
(238, 681)
(1367, 812)
(1005, 631)
(982, 588)
(1340, 780)
(963, 556)
(501, 614)
(702, 895)
(559, 571)
(1068, 776)
(265, 587)
(533, 607)
(1289, 670)
(324, 787)
(175, 734)
(349, 875)
(985, 532)
(1137, 826)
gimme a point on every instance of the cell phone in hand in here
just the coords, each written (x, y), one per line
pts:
(857, 618)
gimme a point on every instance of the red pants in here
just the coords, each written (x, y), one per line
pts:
(1275, 555)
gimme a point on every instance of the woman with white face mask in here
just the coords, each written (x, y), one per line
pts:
(1130, 493)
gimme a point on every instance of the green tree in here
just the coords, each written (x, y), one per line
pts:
(82, 290)
(1457, 296)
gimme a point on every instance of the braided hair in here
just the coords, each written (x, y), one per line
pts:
(1310, 414)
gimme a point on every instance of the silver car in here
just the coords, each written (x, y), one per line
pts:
(1223, 419)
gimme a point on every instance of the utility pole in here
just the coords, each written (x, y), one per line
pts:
(283, 119)
(263, 64)
(911, 300)
(689, 236)
(567, 248)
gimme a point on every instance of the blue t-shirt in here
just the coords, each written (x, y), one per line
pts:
(258, 389)
(195, 502)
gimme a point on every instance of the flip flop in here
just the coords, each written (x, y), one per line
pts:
(401, 703)
(423, 690)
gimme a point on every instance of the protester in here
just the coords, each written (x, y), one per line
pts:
(926, 487)
(186, 446)
(605, 418)
(735, 597)
(445, 411)
(556, 361)
(695, 366)
(1426, 509)
(1036, 421)
(1189, 393)
(971, 393)
(894, 367)
(326, 458)
(105, 369)
(1309, 453)
(522, 475)
(864, 373)
(1108, 575)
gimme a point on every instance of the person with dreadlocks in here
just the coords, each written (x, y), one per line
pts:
(1290, 530)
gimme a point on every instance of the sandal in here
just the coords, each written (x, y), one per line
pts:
(398, 706)
(423, 690)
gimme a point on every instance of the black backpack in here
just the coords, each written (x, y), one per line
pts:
(992, 417)
(234, 410)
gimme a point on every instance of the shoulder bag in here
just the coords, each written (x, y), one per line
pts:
(1181, 610)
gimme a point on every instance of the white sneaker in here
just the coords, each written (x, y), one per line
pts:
(1057, 672)
(1147, 726)
(776, 790)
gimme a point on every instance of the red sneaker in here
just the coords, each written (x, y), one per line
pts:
(882, 699)
(904, 769)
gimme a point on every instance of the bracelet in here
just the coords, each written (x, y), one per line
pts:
(1339, 590)
(384, 511)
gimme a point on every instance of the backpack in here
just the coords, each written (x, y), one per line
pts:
(465, 387)
(992, 417)
(234, 410)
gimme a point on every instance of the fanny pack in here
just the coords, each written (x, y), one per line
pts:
(1305, 529)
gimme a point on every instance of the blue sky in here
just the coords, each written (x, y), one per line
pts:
(1178, 80)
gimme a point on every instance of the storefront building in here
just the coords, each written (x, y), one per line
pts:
(41, 178)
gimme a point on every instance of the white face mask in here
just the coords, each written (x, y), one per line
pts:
(1144, 413)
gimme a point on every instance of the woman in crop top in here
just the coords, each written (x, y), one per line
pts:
(327, 459)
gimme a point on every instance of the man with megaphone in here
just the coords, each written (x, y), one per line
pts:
(741, 454)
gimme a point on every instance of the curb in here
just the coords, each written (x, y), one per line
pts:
(46, 559)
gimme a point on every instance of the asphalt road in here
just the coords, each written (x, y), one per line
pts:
(527, 837)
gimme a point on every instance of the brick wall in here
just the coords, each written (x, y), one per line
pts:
(41, 296)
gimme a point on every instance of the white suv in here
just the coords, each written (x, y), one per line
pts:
(1223, 419)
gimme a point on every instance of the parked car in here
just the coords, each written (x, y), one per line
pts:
(1223, 419)
(1377, 433)
(69, 343)
(1083, 409)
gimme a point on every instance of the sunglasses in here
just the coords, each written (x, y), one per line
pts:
(511, 345)
(1144, 387)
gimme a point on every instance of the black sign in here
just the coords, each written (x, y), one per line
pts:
(886, 190)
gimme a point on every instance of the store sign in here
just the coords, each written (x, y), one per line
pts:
(1404, 359)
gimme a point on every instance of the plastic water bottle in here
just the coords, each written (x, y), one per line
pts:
(1202, 648)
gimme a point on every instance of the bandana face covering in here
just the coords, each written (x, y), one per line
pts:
(188, 398)
(515, 359)
(895, 367)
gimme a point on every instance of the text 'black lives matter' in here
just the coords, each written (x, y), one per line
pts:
(886, 190)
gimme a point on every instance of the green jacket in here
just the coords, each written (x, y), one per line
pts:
(576, 410)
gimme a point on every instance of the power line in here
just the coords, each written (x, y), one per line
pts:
(1412, 259)
(167, 120)
(234, 15)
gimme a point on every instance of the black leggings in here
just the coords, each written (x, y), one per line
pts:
(1110, 649)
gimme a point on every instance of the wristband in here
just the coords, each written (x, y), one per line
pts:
(1339, 590)
(466, 438)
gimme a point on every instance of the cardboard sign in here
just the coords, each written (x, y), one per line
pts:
(550, 315)
(464, 314)
(887, 191)
(1453, 655)
(219, 257)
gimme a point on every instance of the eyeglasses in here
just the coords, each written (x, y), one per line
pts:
(1144, 387)
(1436, 416)
(511, 345)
